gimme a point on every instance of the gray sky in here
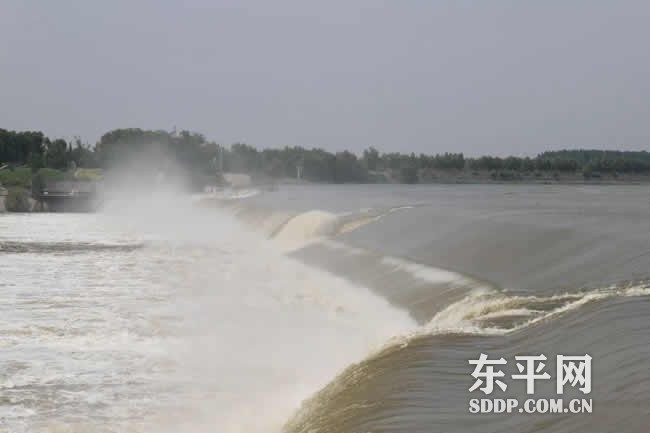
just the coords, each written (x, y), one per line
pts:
(425, 76)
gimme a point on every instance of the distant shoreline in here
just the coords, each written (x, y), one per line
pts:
(445, 177)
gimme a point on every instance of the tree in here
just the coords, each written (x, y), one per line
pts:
(371, 158)
(56, 155)
(348, 169)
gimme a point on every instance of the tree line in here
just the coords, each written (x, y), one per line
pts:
(192, 156)
(33, 148)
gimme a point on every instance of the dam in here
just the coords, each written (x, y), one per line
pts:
(71, 196)
(177, 317)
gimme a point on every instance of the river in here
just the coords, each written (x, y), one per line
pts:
(322, 309)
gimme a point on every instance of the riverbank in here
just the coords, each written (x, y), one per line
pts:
(468, 176)
(424, 177)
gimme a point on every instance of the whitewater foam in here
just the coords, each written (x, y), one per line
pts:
(468, 314)
(426, 273)
(305, 228)
(205, 325)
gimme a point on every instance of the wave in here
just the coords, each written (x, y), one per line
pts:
(296, 229)
(209, 320)
(418, 382)
(305, 227)
(499, 312)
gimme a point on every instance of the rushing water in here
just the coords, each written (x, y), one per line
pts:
(161, 316)
(159, 322)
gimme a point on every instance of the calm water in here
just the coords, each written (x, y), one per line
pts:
(358, 314)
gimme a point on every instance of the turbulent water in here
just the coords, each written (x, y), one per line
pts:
(322, 309)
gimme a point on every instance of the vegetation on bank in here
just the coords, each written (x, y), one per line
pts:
(17, 200)
(23, 177)
(30, 159)
(16, 177)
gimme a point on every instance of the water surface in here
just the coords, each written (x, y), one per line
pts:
(322, 309)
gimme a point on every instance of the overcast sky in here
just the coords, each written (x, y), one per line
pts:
(501, 77)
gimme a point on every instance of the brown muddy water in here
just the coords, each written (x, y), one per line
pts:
(324, 309)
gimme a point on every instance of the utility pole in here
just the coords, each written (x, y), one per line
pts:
(299, 167)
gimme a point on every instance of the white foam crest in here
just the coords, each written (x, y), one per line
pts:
(425, 273)
(637, 290)
(305, 228)
(468, 316)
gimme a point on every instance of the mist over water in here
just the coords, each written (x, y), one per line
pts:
(319, 310)
(200, 326)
